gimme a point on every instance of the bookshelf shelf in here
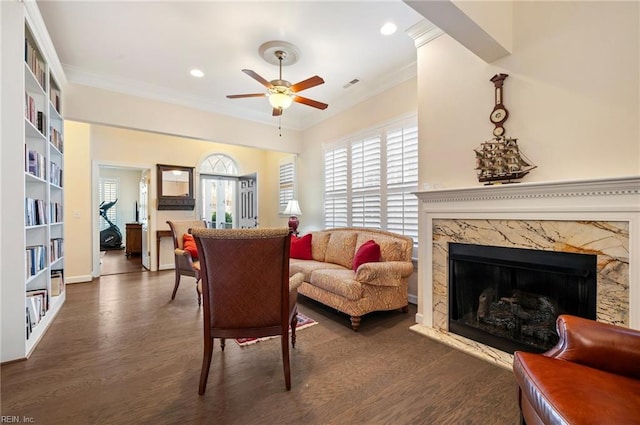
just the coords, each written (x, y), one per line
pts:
(32, 131)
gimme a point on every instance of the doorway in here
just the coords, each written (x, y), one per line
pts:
(119, 242)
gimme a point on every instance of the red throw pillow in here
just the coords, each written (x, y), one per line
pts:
(369, 252)
(301, 247)
(189, 245)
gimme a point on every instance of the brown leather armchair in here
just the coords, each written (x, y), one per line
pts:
(592, 376)
(246, 289)
(185, 266)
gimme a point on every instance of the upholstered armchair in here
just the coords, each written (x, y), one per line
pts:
(592, 376)
(185, 264)
(246, 289)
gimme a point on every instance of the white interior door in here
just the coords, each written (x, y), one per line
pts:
(248, 201)
(143, 218)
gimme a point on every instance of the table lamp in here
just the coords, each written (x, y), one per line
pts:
(293, 209)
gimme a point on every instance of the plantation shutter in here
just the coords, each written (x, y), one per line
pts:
(402, 179)
(107, 192)
(286, 184)
(365, 183)
(335, 200)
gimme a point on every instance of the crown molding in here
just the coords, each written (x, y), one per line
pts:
(423, 32)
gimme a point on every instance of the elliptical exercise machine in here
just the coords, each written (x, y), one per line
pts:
(111, 237)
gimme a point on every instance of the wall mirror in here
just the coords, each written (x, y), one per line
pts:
(175, 187)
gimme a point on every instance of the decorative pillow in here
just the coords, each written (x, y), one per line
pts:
(189, 245)
(369, 252)
(301, 247)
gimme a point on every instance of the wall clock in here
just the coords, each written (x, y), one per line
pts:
(499, 114)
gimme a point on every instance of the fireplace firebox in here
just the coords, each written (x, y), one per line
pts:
(509, 298)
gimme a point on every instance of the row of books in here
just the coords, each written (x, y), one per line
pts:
(55, 174)
(55, 137)
(35, 212)
(54, 97)
(35, 164)
(35, 117)
(57, 282)
(38, 301)
(35, 259)
(36, 65)
(55, 212)
(56, 249)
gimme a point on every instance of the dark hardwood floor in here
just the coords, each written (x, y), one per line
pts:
(121, 353)
(116, 262)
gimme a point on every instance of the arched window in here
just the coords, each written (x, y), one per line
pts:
(219, 164)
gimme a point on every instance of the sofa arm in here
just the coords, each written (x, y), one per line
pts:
(598, 345)
(384, 273)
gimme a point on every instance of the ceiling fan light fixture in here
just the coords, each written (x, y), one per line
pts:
(280, 100)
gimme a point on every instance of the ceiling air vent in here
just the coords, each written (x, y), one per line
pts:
(350, 83)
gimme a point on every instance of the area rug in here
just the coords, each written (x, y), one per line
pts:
(303, 322)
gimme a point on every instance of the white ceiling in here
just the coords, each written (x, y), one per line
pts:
(147, 48)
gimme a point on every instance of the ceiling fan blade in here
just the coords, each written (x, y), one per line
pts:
(238, 96)
(258, 78)
(277, 112)
(310, 102)
(307, 84)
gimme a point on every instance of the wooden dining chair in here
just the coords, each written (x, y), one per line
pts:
(246, 289)
(185, 265)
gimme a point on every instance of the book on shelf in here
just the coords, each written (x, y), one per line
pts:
(57, 282)
(33, 61)
(54, 97)
(35, 259)
(56, 249)
(35, 212)
(35, 164)
(56, 138)
(55, 174)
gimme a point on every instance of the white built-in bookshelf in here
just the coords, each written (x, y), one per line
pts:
(32, 268)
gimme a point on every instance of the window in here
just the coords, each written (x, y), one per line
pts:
(369, 180)
(286, 182)
(108, 192)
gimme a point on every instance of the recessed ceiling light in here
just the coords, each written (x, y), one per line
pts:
(197, 73)
(388, 28)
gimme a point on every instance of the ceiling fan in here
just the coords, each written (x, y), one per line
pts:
(282, 93)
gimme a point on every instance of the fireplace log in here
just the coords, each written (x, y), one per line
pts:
(485, 299)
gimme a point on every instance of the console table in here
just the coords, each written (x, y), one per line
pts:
(159, 235)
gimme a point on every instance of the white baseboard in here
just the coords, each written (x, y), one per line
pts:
(78, 279)
(413, 299)
(166, 267)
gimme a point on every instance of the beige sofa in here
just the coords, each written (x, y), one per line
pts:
(330, 279)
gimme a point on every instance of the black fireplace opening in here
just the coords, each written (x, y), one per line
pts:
(509, 298)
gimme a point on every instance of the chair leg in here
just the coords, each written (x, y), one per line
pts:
(199, 292)
(206, 364)
(175, 288)
(222, 344)
(294, 323)
(284, 341)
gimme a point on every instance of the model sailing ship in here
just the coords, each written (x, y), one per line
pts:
(500, 159)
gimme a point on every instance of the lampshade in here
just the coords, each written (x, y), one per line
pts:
(293, 208)
(280, 100)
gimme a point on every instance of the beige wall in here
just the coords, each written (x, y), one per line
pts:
(572, 95)
(95, 145)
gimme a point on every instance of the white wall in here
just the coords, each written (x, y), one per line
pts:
(572, 95)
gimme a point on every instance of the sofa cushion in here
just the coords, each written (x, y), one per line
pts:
(369, 252)
(189, 245)
(391, 249)
(339, 282)
(341, 248)
(301, 247)
(307, 266)
(319, 245)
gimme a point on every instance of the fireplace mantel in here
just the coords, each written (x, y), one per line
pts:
(576, 202)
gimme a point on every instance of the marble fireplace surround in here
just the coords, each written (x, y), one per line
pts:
(599, 216)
